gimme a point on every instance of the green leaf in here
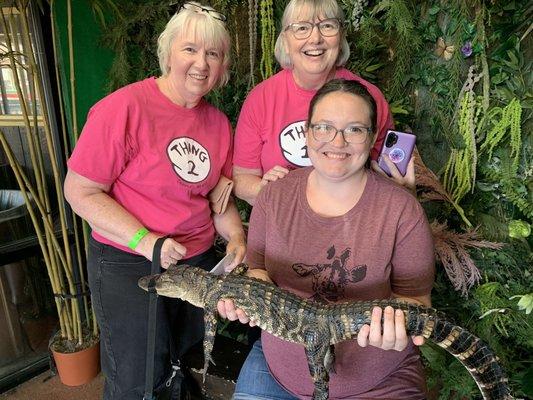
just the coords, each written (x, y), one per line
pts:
(434, 10)
(513, 58)
(519, 229)
(470, 29)
(525, 303)
(434, 357)
(510, 6)
(373, 67)
(527, 382)
(399, 110)
(498, 78)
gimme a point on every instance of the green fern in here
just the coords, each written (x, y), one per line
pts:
(400, 24)
(448, 373)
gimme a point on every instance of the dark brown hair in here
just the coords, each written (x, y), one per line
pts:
(345, 86)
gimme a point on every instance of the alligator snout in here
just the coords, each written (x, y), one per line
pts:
(143, 282)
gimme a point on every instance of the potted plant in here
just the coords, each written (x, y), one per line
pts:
(77, 337)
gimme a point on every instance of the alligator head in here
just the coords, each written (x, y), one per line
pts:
(178, 281)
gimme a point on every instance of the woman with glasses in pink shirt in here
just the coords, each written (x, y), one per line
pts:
(270, 137)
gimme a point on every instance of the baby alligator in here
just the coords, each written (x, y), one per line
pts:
(319, 326)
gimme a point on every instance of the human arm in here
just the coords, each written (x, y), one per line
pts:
(229, 226)
(254, 129)
(408, 181)
(255, 260)
(384, 123)
(248, 181)
(91, 201)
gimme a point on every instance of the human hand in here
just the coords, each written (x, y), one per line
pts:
(226, 309)
(272, 175)
(394, 335)
(237, 246)
(171, 252)
(408, 181)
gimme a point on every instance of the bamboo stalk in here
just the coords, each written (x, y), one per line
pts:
(66, 148)
(73, 99)
(35, 149)
(72, 71)
(54, 281)
(74, 105)
(58, 80)
(23, 10)
(18, 86)
(72, 306)
(51, 148)
(57, 257)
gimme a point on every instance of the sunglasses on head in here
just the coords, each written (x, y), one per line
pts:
(197, 8)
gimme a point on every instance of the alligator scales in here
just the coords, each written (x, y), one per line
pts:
(319, 326)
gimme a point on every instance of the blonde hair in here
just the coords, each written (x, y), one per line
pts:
(204, 27)
(317, 8)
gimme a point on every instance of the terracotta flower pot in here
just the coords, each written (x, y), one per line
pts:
(78, 368)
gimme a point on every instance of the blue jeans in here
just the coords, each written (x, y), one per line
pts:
(121, 309)
(255, 381)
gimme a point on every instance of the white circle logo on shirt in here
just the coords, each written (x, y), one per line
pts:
(190, 159)
(292, 143)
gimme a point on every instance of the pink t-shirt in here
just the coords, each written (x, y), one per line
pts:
(160, 159)
(270, 130)
(382, 245)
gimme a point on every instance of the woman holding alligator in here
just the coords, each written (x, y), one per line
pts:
(370, 240)
(270, 137)
(148, 156)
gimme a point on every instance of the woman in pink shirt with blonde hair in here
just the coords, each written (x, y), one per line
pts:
(148, 156)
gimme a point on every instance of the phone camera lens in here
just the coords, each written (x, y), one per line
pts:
(392, 138)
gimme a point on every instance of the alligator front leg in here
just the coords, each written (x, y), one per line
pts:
(316, 348)
(329, 359)
(210, 319)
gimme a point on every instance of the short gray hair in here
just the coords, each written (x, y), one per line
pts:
(210, 30)
(317, 8)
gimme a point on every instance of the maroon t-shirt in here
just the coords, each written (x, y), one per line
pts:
(382, 245)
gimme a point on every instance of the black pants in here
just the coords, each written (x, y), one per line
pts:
(121, 309)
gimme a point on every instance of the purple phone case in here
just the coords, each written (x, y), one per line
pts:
(399, 153)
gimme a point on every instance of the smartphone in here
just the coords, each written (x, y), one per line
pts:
(398, 146)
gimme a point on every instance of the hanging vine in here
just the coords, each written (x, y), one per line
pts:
(508, 120)
(268, 38)
(253, 6)
(460, 172)
(354, 12)
(481, 38)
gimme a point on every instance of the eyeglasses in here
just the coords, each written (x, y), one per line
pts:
(326, 133)
(197, 8)
(302, 30)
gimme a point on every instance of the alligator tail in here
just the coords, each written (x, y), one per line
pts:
(471, 351)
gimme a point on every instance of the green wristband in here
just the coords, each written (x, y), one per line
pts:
(132, 244)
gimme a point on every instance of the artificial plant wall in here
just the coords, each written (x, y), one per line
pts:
(458, 73)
